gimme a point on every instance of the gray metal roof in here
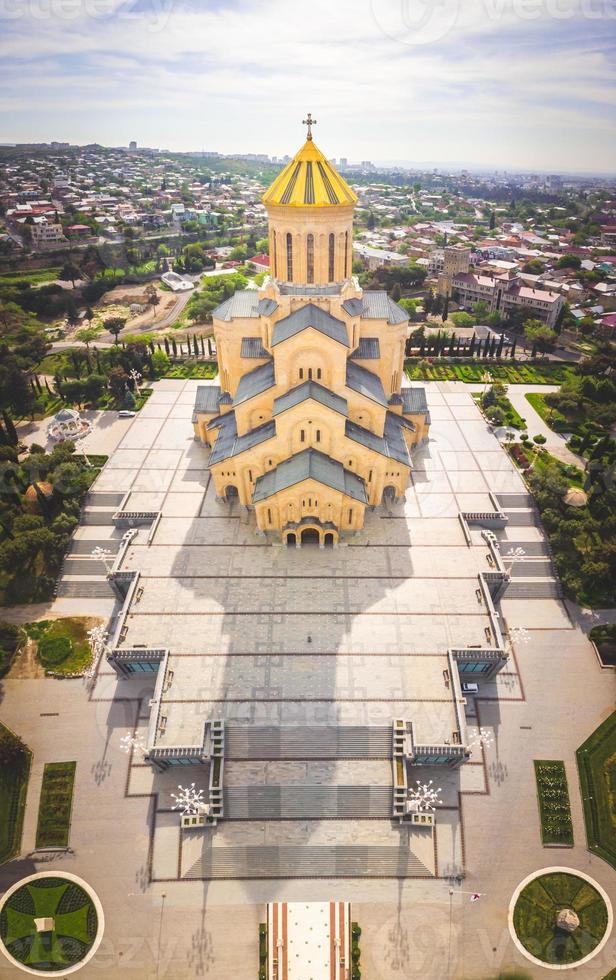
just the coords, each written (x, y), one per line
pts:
(310, 389)
(267, 306)
(310, 465)
(253, 347)
(288, 289)
(310, 316)
(243, 303)
(376, 305)
(255, 382)
(228, 443)
(207, 399)
(414, 401)
(368, 349)
(365, 383)
(390, 444)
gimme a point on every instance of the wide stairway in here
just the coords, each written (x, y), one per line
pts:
(309, 861)
(533, 575)
(82, 576)
(308, 802)
(308, 742)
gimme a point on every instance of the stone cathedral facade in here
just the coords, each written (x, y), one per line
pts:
(310, 424)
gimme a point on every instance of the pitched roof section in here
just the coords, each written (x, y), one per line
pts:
(255, 382)
(288, 289)
(207, 400)
(375, 304)
(253, 347)
(414, 401)
(310, 465)
(391, 444)
(228, 443)
(368, 349)
(244, 303)
(310, 316)
(309, 180)
(365, 383)
(310, 389)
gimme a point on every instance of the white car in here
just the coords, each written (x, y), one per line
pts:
(125, 413)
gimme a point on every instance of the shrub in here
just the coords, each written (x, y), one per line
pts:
(53, 650)
(540, 440)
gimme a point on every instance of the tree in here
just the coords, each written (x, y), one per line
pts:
(492, 220)
(87, 335)
(114, 325)
(445, 309)
(152, 298)
(481, 310)
(69, 273)
(396, 292)
(569, 261)
(12, 749)
(539, 335)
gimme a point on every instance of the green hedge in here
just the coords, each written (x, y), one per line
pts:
(56, 804)
(13, 788)
(596, 760)
(53, 650)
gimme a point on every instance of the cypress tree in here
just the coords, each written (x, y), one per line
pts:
(166, 343)
(499, 352)
(11, 431)
(513, 346)
(174, 346)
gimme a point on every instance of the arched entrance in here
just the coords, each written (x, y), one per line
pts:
(310, 535)
(291, 540)
(389, 494)
(329, 540)
(231, 493)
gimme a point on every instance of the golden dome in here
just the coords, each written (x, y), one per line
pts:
(309, 181)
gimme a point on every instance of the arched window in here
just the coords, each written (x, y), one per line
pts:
(269, 516)
(301, 374)
(319, 373)
(275, 257)
(318, 435)
(310, 374)
(310, 258)
(346, 255)
(302, 435)
(332, 252)
(289, 257)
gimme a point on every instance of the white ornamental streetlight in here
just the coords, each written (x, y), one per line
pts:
(519, 634)
(190, 800)
(135, 377)
(515, 554)
(423, 798)
(97, 639)
(484, 737)
(102, 554)
(133, 742)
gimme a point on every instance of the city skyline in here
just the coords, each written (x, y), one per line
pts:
(397, 81)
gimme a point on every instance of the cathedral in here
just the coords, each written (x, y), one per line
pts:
(310, 424)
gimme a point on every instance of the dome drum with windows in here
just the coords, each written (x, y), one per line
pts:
(310, 424)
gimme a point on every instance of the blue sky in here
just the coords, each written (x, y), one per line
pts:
(505, 83)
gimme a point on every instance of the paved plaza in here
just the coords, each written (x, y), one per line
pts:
(276, 641)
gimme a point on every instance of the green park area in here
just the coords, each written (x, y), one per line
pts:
(596, 760)
(54, 817)
(62, 645)
(478, 371)
(72, 924)
(15, 758)
(536, 918)
(34, 277)
(554, 806)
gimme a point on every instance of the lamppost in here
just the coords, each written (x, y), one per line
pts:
(423, 798)
(97, 639)
(189, 800)
(135, 377)
(519, 634)
(484, 737)
(514, 554)
(133, 742)
(102, 554)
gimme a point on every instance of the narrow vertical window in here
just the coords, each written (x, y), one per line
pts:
(310, 373)
(350, 515)
(346, 255)
(274, 257)
(289, 257)
(332, 252)
(302, 436)
(310, 258)
(318, 435)
(301, 374)
(319, 373)
(269, 516)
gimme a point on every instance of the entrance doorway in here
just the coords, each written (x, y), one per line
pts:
(329, 539)
(291, 540)
(310, 535)
(231, 493)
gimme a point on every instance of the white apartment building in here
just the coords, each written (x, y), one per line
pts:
(506, 293)
(47, 235)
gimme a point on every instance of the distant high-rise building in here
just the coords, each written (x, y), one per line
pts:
(132, 145)
(344, 162)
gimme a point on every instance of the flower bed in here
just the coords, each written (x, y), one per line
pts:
(56, 803)
(554, 806)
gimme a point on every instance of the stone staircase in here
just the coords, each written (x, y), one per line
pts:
(311, 861)
(525, 589)
(87, 589)
(314, 802)
(306, 743)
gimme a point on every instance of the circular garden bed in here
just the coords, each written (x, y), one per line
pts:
(560, 918)
(50, 924)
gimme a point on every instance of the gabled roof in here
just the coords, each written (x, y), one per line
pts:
(368, 349)
(310, 389)
(243, 303)
(375, 304)
(414, 401)
(365, 383)
(255, 382)
(206, 400)
(310, 465)
(390, 444)
(309, 180)
(310, 316)
(228, 443)
(253, 347)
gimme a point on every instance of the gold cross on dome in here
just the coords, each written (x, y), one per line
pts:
(309, 122)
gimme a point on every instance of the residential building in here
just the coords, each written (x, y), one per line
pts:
(505, 294)
(47, 236)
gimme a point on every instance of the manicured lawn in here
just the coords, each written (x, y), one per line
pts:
(74, 930)
(56, 803)
(596, 760)
(554, 807)
(58, 635)
(13, 789)
(203, 370)
(35, 276)
(473, 371)
(536, 910)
